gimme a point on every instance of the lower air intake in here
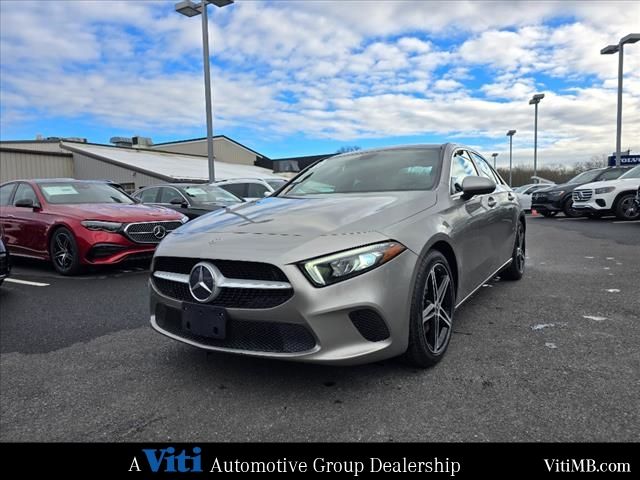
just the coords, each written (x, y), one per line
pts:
(370, 325)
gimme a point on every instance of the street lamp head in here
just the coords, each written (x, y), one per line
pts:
(631, 38)
(221, 3)
(190, 9)
(187, 8)
(609, 50)
(536, 98)
(494, 155)
(511, 133)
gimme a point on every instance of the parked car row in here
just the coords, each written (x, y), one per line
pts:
(560, 198)
(608, 197)
(524, 193)
(75, 223)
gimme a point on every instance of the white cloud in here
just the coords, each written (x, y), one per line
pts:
(336, 70)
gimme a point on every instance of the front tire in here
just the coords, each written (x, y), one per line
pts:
(432, 308)
(626, 208)
(515, 270)
(568, 209)
(549, 214)
(64, 252)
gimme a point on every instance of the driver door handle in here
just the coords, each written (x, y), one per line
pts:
(491, 202)
(511, 196)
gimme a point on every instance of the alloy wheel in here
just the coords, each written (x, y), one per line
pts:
(437, 309)
(63, 252)
(628, 208)
(520, 248)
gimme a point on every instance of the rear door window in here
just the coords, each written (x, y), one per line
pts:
(485, 168)
(256, 190)
(238, 189)
(149, 195)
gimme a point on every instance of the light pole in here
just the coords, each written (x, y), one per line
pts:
(494, 155)
(535, 100)
(510, 134)
(608, 50)
(190, 9)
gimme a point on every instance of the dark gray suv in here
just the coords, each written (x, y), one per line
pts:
(361, 257)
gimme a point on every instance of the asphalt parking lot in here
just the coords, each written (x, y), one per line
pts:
(553, 357)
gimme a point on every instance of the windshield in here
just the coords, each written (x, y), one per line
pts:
(633, 173)
(585, 177)
(275, 183)
(83, 192)
(203, 194)
(381, 171)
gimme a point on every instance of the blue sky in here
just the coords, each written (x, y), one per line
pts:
(302, 78)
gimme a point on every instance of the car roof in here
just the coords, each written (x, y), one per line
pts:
(58, 180)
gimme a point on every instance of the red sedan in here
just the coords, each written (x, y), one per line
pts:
(75, 223)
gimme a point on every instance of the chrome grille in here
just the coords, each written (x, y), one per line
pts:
(150, 232)
(249, 285)
(582, 195)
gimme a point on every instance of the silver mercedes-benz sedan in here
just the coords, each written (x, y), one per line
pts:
(361, 257)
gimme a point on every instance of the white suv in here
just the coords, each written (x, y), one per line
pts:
(610, 197)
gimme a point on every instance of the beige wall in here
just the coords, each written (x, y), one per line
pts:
(42, 146)
(87, 168)
(224, 150)
(14, 165)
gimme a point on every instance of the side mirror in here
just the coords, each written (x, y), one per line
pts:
(178, 201)
(267, 193)
(25, 203)
(473, 185)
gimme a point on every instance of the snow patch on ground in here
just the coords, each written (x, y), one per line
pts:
(541, 326)
(550, 345)
(594, 317)
(612, 290)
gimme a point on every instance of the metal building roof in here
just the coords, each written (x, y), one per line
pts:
(166, 165)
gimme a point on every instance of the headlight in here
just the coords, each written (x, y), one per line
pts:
(557, 193)
(605, 190)
(341, 266)
(100, 225)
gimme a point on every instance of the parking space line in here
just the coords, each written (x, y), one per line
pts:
(627, 221)
(26, 282)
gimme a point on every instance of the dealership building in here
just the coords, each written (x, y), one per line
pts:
(132, 162)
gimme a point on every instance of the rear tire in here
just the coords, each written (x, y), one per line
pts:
(64, 253)
(626, 208)
(549, 214)
(515, 270)
(432, 309)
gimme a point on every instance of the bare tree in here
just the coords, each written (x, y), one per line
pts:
(596, 161)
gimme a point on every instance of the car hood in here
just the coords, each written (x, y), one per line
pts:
(292, 228)
(117, 212)
(610, 183)
(560, 186)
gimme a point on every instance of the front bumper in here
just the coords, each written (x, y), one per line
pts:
(547, 204)
(596, 204)
(323, 312)
(105, 248)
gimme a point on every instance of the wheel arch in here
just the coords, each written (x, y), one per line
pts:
(52, 230)
(619, 195)
(442, 244)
